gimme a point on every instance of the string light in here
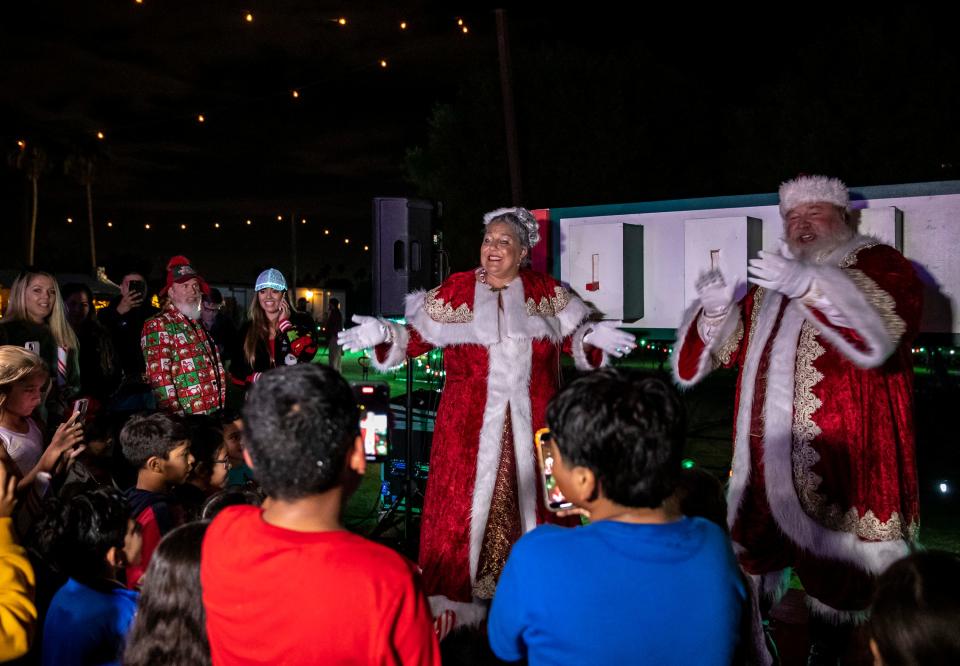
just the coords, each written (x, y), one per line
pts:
(459, 21)
(465, 29)
(216, 225)
(146, 226)
(139, 2)
(249, 223)
(22, 144)
(295, 94)
(303, 221)
(403, 25)
(200, 118)
(346, 241)
(279, 218)
(249, 17)
(383, 64)
(326, 232)
(183, 227)
(342, 20)
(366, 248)
(110, 224)
(69, 220)
(100, 136)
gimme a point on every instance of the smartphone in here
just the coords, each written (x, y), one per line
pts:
(137, 287)
(553, 499)
(80, 411)
(373, 399)
(32, 346)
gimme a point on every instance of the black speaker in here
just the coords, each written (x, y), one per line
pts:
(402, 251)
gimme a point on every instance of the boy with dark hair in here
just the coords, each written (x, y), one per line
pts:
(158, 445)
(286, 583)
(641, 582)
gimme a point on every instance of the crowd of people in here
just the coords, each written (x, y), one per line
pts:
(144, 521)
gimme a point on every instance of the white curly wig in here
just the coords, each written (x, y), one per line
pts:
(522, 221)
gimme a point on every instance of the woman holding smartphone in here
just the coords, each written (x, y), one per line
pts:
(36, 319)
(270, 338)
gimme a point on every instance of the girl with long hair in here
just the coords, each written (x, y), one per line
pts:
(36, 319)
(270, 337)
(23, 383)
(170, 627)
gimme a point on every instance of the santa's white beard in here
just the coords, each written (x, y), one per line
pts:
(818, 250)
(189, 310)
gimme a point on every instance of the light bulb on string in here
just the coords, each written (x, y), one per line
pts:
(465, 29)
(69, 220)
(216, 225)
(110, 224)
(21, 144)
(200, 118)
(403, 25)
(295, 94)
(183, 227)
(248, 17)
(459, 21)
(100, 135)
(342, 20)
(279, 218)
(146, 226)
(383, 64)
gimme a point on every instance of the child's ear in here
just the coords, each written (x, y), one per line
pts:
(155, 464)
(116, 558)
(356, 460)
(585, 483)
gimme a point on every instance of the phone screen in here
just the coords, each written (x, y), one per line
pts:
(552, 496)
(137, 286)
(373, 399)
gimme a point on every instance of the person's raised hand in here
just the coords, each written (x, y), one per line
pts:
(68, 436)
(370, 333)
(610, 339)
(716, 296)
(778, 272)
(129, 301)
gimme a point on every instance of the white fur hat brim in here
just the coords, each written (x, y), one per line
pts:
(812, 189)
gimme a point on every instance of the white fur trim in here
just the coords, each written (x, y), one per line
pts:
(490, 325)
(398, 348)
(771, 585)
(580, 359)
(843, 294)
(741, 449)
(705, 362)
(871, 556)
(469, 613)
(835, 616)
(508, 387)
(812, 189)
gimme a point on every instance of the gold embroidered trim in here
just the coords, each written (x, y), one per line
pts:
(726, 350)
(549, 306)
(804, 456)
(881, 301)
(851, 258)
(442, 312)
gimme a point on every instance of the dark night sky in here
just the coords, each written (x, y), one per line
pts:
(142, 73)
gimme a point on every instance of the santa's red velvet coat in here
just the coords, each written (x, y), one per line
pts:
(492, 360)
(832, 406)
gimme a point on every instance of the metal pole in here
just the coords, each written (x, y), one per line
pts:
(509, 115)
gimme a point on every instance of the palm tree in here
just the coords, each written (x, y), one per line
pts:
(32, 160)
(83, 168)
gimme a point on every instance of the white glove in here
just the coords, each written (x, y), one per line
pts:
(610, 339)
(370, 333)
(716, 296)
(781, 272)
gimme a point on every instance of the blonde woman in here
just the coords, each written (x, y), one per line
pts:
(36, 319)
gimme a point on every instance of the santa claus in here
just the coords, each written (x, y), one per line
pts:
(824, 477)
(503, 327)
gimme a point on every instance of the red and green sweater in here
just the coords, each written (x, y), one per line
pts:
(183, 367)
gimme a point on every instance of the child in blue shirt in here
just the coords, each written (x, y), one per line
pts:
(89, 538)
(641, 584)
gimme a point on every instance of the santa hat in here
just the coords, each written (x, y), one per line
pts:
(179, 270)
(812, 189)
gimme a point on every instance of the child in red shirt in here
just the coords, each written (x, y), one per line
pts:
(286, 583)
